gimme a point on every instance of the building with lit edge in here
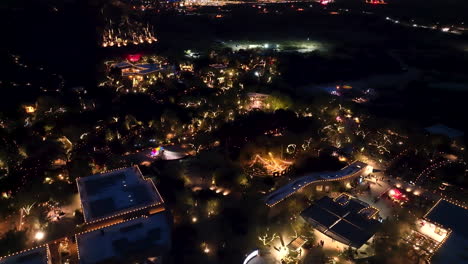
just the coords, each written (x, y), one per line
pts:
(321, 180)
(345, 219)
(108, 195)
(260, 257)
(132, 69)
(37, 255)
(135, 239)
(125, 221)
(124, 213)
(446, 223)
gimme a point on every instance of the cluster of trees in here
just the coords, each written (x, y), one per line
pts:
(12, 241)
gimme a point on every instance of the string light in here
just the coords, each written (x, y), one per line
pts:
(45, 246)
(271, 164)
(139, 174)
(355, 174)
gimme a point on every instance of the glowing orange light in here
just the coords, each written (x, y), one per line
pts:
(271, 164)
(30, 109)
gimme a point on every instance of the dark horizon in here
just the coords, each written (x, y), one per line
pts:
(143, 131)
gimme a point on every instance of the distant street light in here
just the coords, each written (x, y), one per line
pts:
(39, 235)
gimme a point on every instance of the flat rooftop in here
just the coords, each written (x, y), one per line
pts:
(116, 192)
(297, 184)
(345, 219)
(453, 251)
(39, 255)
(141, 69)
(146, 236)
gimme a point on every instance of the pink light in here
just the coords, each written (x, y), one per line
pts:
(325, 2)
(397, 195)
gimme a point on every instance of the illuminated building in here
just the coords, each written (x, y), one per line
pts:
(260, 257)
(325, 2)
(129, 69)
(124, 222)
(37, 255)
(445, 223)
(345, 219)
(257, 100)
(273, 166)
(350, 172)
(127, 33)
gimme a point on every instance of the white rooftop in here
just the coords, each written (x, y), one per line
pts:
(115, 192)
(299, 183)
(141, 236)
